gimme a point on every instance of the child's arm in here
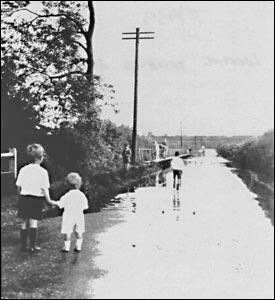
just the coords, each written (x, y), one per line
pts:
(85, 204)
(48, 198)
(18, 193)
(18, 190)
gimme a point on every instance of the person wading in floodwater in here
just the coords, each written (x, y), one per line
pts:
(177, 166)
(126, 156)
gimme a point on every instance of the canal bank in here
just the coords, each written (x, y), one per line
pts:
(264, 192)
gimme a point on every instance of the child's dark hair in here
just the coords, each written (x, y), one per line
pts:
(177, 153)
(73, 181)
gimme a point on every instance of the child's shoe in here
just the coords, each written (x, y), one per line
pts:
(65, 250)
(33, 239)
(78, 245)
(67, 245)
(35, 249)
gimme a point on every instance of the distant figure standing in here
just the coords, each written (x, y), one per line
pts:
(203, 150)
(157, 150)
(126, 156)
(165, 151)
(177, 166)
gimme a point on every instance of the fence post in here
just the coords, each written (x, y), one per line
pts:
(14, 151)
(12, 163)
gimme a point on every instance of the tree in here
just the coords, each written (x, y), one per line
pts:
(54, 35)
(53, 54)
(50, 49)
(16, 113)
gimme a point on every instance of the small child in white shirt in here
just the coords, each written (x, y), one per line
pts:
(74, 203)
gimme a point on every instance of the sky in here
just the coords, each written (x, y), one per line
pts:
(210, 66)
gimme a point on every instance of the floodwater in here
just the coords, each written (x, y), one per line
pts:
(208, 240)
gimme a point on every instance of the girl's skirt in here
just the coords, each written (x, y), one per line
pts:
(30, 207)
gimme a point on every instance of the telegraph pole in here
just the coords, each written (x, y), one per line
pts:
(181, 144)
(138, 36)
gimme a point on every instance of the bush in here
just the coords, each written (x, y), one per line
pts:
(256, 155)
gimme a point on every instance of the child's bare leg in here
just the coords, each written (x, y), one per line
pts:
(174, 180)
(33, 234)
(24, 224)
(79, 240)
(33, 223)
(24, 234)
(67, 242)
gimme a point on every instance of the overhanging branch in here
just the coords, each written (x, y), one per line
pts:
(79, 26)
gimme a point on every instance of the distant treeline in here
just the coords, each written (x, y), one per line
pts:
(256, 155)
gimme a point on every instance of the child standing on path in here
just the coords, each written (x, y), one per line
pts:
(74, 203)
(31, 179)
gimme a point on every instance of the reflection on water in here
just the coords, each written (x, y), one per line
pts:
(265, 195)
(184, 241)
(155, 179)
(176, 204)
(127, 201)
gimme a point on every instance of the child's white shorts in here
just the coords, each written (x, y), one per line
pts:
(72, 223)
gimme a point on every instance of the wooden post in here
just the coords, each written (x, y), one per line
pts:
(134, 135)
(136, 38)
(13, 161)
(14, 151)
(181, 144)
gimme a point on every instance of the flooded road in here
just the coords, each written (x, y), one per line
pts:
(208, 240)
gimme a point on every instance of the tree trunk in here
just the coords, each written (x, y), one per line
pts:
(89, 36)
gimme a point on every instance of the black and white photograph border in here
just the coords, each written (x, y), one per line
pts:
(137, 150)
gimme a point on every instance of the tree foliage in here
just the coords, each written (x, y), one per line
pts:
(47, 67)
(51, 48)
(50, 94)
(256, 155)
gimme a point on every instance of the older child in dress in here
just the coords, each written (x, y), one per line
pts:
(31, 179)
(74, 203)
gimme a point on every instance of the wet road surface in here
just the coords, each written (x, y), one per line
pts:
(208, 240)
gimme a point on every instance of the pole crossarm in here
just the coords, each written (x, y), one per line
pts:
(141, 38)
(151, 32)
